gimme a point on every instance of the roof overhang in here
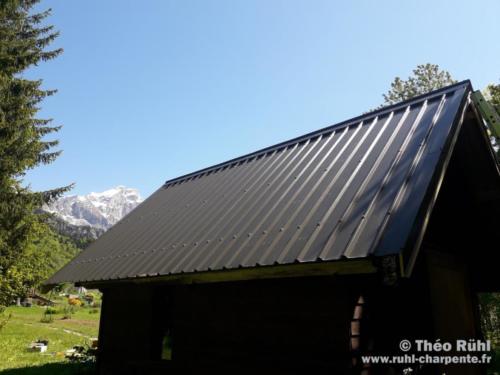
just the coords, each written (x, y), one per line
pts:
(337, 268)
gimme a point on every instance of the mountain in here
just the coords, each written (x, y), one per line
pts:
(79, 235)
(96, 212)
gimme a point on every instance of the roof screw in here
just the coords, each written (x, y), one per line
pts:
(318, 224)
(234, 237)
(249, 234)
(298, 226)
(281, 229)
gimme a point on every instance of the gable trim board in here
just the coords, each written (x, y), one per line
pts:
(360, 189)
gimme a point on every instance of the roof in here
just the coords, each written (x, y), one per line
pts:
(351, 190)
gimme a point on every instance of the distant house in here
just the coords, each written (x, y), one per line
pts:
(299, 258)
(34, 298)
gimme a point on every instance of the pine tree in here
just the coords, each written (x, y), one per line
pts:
(492, 94)
(23, 145)
(425, 78)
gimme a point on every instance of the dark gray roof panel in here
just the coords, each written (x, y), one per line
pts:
(349, 190)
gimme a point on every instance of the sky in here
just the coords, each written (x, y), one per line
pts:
(151, 90)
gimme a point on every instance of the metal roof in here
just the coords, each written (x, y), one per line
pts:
(346, 191)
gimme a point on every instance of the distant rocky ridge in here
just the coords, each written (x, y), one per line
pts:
(80, 235)
(98, 210)
(83, 218)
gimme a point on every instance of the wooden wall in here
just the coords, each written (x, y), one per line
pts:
(283, 326)
(287, 325)
(279, 324)
(125, 328)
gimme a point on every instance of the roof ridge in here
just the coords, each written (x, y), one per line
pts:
(316, 133)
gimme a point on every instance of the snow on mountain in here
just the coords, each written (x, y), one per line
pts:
(100, 210)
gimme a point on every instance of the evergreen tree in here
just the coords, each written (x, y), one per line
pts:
(23, 44)
(425, 78)
(43, 255)
(492, 94)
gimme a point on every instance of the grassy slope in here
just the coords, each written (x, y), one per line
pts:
(25, 327)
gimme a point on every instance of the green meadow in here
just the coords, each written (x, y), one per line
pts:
(26, 326)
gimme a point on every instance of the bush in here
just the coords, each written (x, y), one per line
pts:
(51, 311)
(93, 311)
(68, 312)
(3, 319)
(47, 317)
(75, 302)
(82, 354)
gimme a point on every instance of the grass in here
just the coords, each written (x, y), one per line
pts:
(25, 326)
(57, 368)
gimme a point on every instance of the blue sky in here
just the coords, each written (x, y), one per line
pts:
(152, 90)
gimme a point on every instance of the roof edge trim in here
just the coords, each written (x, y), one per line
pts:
(390, 108)
(336, 267)
(422, 220)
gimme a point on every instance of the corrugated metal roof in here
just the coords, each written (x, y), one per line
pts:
(349, 190)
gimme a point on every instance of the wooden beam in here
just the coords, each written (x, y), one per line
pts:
(341, 267)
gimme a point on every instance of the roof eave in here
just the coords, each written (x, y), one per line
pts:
(310, 269)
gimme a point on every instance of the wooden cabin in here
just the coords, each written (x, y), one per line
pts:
(302, 257)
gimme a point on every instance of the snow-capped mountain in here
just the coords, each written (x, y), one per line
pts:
(98, 210)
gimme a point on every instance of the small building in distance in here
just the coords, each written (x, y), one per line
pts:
(304, 256)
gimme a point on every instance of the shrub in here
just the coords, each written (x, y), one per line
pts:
(47, 317)
(3, 319)
(68, 312)
(93, 311)
(75, 302)
(82, 354)
(51, 311)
